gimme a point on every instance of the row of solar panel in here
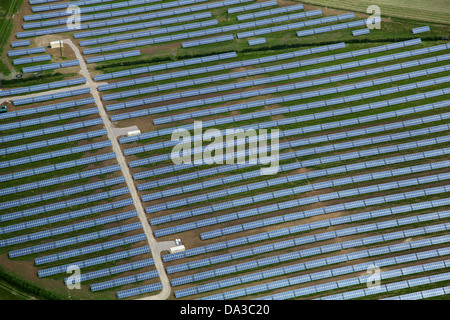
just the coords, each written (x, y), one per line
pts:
(74, 240)
(22, 43)
(282, 245)
(318, 289)
(88, 3)
(164, 66)
(260, 14)
(95, 261)
(301, 215)
(42, 32)
(111, 271)
(337, 124)
(40, 87)
(243, 188)
(335, 27)
(113, 7)
(90, 249)
(278, 194)
(22, 52)
(123, 281)
(40, 132)
(255, 42)
(149, 33)
(68, 228)
(296, 25)
(254, 71)
(58, 166)
(134, 11)
(121, 55)
(162, 132)
(42, 120)
(252, 6)
(230, 87)
(425, 294)
(61, 193)
(297, 267)
(282, 88)
(421, 30)
(58, 95)
(58, 180)
(391, 287)
(55, 154)
(225, 66)
(139, 290)
(291, 204)
(201, 42)
(282, 219)
(360, 32)
(144, 25)
(52, 142)
(52, 107)
(284, 77)
(51, 66)
(46, 57)
(119, 21)
(199, 33)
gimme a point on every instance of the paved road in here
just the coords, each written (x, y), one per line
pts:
(155, 249)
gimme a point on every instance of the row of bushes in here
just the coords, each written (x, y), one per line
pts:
(27, 287)
(28, 81)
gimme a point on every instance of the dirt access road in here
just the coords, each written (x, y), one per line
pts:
(154, 246)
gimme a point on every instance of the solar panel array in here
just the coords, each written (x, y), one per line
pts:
(145, 25)
(387, 288)
(425, 294)
(288, 270)
(158, 67)
(252, 6)
(207, 41)
(143, 34)
(23, 52)
(363, 164)
(51, 66)
(120, 55)
(21, 43)
(296, 25)
(360, 32)
(368, 292)
(335, 27)
(260, 14)
(59, 95)
(32, 59)
(204, 32)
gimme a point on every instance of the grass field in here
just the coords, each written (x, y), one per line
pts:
(436, 11)
(7, 9)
